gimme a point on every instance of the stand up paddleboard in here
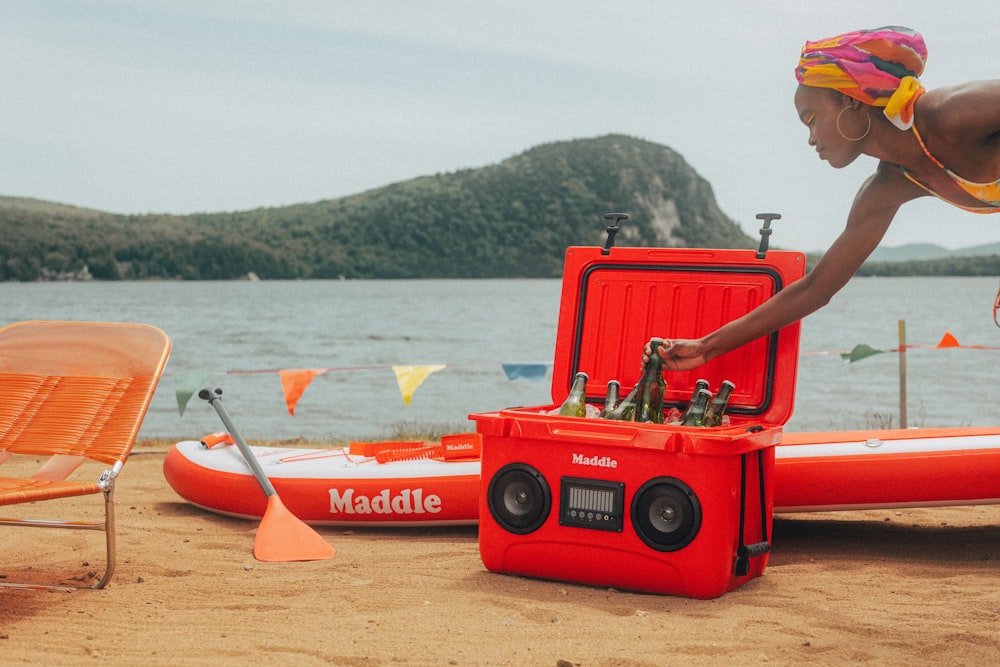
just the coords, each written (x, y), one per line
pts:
(439, 484)
(852, 470)
(375, 484)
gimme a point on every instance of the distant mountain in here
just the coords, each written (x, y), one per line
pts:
(511, 219)
(926, 259)
(929, 251)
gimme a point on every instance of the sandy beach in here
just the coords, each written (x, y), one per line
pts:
(909, 586)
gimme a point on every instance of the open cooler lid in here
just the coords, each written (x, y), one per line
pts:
(614, 300)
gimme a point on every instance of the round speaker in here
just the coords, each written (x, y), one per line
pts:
(519, 498)
(666, 514)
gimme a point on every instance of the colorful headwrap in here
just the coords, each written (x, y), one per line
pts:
(879, 67)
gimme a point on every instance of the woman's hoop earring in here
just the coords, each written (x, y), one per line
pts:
(867, 130)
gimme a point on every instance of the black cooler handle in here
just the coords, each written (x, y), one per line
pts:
(747, 551)
(612, 229)
(765, 232)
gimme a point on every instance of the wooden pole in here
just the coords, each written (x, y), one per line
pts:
(902, 374)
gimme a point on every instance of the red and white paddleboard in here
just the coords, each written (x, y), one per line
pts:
(849, 470)
(375, 484)
(813, 472)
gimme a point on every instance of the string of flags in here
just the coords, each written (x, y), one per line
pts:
(294, 382)
(863, 351)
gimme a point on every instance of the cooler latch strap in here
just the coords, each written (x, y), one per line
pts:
(615, 220)
(765, 232)
(747, 551)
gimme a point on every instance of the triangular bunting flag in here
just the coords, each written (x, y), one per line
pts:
(860, 352)
(295, 382)
(948, 340)
(187, 384)
(533, 372)
(411, 377)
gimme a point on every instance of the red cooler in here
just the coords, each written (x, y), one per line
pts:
(646, 507)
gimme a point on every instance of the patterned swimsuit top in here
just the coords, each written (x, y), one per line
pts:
(988, 193)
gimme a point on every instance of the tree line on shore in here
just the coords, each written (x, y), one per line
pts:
(513, 219)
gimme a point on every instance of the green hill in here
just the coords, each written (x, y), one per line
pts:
(511, 219)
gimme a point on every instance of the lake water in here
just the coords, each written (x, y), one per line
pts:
(244, 332)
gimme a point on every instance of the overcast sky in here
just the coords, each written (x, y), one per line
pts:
(182, 106)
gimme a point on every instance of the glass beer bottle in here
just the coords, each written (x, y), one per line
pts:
(575, 404)
(696, 411)
(649, 401)
(611, 399)
(717, 406)
(698, 386)
(625, 411)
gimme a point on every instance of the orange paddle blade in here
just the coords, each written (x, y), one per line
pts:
(283, 537)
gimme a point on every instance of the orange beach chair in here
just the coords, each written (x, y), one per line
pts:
(73, 392)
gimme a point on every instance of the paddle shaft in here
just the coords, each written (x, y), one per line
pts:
(214, 397)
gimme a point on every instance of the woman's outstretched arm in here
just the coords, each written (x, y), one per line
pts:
(871, 214)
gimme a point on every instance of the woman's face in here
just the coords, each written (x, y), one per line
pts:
(819, 110)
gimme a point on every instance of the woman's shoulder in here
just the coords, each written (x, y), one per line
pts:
(947, 106)
(961, 127)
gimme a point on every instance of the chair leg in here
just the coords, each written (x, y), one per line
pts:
(109, 534)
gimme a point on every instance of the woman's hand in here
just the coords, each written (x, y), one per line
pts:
(678, 355)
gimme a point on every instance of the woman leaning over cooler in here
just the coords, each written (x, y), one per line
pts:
(859, 95)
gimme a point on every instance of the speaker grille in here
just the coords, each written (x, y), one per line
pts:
(519, 498)
(666, 514)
